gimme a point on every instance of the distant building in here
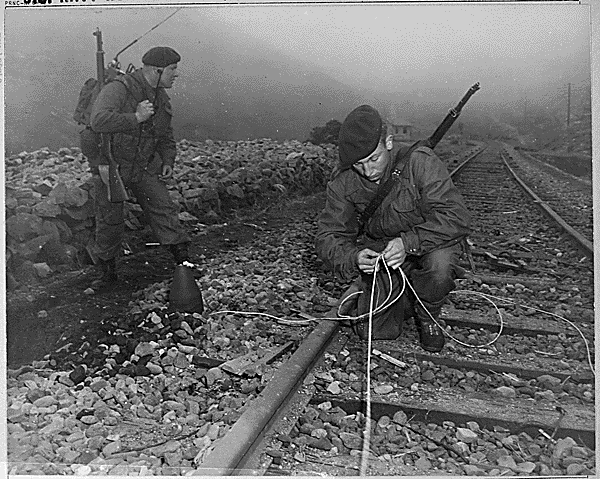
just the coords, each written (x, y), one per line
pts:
(401, 129)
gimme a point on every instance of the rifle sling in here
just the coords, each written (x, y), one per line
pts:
(385, 188)
(431, 142)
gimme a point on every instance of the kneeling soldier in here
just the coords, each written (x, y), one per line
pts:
(420, 227)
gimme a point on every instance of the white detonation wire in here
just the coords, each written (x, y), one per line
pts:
(386, 304)
(367, 434)
(389, 301)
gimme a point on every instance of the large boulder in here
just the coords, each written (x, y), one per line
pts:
(47, 208)
(53, 225)
(26, 273)
(54, 253)
(80, 213)
(23, 226)
(68, 195)
(30, 250)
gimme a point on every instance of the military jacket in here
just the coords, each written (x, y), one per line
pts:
(136, 146)
(424, 208)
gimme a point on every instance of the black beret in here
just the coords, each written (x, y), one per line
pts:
(160, 57)
(359, 135)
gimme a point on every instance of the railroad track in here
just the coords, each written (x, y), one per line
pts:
(570, 197)
(166, 397)
(498, 409)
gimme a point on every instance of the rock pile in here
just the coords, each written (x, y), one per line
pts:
(49, 209)
(218, 176)
(50, 199)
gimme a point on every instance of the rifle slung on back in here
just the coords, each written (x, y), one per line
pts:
(117, 193)
(430, 142)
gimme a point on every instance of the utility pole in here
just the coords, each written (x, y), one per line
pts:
(569, 105)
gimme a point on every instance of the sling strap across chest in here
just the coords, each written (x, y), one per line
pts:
(431, 142)
(385, 188)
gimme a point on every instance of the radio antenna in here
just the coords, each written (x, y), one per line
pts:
(116, 59)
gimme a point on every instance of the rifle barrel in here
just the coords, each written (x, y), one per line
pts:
(99, 57)
(450, 118)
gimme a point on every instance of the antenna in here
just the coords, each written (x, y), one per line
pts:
(116, 59)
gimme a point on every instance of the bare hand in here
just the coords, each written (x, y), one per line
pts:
(366, 260)
(394, 253)
(167, 172)
(145, 110)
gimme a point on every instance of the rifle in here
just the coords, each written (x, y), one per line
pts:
(117, 193)
(450, 118)
(430, 142)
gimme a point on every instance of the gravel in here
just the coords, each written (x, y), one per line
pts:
(403, 445)
(431, 449)
(144, 392)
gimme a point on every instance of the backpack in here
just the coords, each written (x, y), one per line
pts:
(91, 141)
(87, 97)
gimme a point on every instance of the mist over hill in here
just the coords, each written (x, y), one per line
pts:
(229, 87)
(286, 101)
(278, 72)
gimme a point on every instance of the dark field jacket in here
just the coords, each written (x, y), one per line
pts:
(114, 113)
(424, 208)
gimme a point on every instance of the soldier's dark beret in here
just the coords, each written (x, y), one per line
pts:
(160, 57)
(359, 135)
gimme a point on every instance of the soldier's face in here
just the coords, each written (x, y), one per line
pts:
(168, 76)
(373, 166)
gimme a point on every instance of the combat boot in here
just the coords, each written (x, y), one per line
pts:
(179, 252)
(431, 337)
(109, 274)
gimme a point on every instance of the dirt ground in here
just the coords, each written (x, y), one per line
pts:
(38, 318)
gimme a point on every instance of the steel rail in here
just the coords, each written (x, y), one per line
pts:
(469, 156)
(586, 245)
(231, 453)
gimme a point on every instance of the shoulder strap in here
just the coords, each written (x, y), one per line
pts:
(385, 188)
(127, 82)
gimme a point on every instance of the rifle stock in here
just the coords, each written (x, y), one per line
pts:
(117, 193)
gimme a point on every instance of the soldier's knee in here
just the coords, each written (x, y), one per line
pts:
(439, 265)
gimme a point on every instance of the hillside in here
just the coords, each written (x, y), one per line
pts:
(230, 93)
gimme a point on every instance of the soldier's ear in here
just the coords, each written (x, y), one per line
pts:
(389, 142)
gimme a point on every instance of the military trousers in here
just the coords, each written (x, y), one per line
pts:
(160, 210)
(432, 277)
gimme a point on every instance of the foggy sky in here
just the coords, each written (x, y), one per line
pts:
(380, 47)
(388, 46)
(411, 56)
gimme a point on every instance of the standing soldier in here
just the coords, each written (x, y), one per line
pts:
(420, 227)
(134, 112)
